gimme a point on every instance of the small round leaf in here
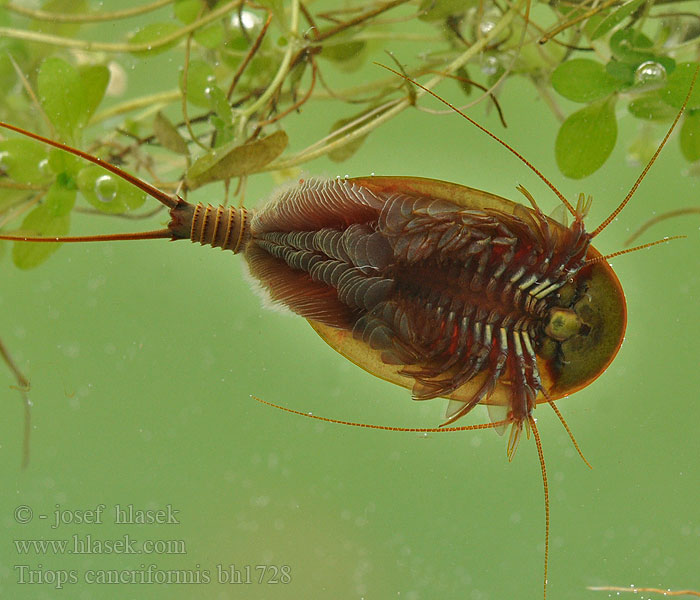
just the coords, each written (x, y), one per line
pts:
(49, 219)
(24, 161)
(151, 35)
(583, 80)
(586, 139)
(678, 85)
(107, 192)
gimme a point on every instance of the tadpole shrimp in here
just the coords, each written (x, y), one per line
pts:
(444, 289)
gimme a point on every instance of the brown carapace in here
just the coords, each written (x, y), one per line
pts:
(447, 290)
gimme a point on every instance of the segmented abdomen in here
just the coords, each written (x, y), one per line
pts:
(445, 290)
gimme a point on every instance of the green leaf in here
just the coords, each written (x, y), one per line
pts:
(150, 34)
(62, 96)
(95, 79)
(583, 80)
(621, 71)
(219, 103)
(630, 45)
(59, 200)
(344, 152)
(678, 85)
(50, 219)
(62, 162)
(107, 192)
(586, 139)
(24, 161)
(234, 160)
(348, 56)
(690, 136)
(200, 77)
(615, 18)
(211, 36)
(186, 11)
(651, 107)
(168, 135)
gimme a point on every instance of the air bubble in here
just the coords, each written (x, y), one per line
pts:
(44, 168)
(245, 19)
(650, 72)
(4, 162)
(489, 65)
(208, 92)
(105, 188)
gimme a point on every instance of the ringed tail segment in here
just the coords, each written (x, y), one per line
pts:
(223, 227)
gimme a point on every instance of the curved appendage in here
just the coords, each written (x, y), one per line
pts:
(628, 250)
(568, 430)
(382, 427)
(545, 485)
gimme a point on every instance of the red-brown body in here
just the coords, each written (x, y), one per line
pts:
(438, 287)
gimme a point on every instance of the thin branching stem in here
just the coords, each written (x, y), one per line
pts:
(311, 152)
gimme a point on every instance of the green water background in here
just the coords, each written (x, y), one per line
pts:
(143, 357)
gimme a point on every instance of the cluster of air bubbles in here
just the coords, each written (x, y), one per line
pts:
(486, 26)
(650, 72)
(489, 65)
(105, 188)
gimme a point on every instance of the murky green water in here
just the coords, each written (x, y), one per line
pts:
(143, 358)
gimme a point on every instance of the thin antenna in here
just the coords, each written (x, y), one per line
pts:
(383, 427)
(153, 191)
(557, 412)
(652, 160)
(534, 169)
(591, 261)
(112, 237)
(545, 485)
